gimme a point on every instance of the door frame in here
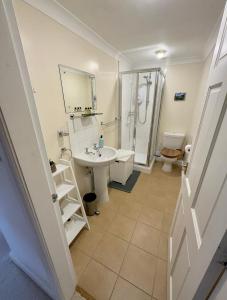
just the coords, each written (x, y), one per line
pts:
(21, 120)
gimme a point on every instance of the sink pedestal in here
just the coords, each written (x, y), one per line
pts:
(100, 181)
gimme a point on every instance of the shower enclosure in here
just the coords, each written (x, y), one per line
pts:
(140, 100)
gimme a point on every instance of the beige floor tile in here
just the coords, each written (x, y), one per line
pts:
(130, 209)
(126, 291)
(170, 209)
(98, 281)
(118, 196)
(160, 286)
(163, 246)
(111, 251)
(151, 216)
(155, 202)
(146, 237)
(87, 241)
(122, 227)
(80, 260)
(94, 226)
(166, 223)
(114, 201)
(152, 203)
(139, 269)
(104, 219)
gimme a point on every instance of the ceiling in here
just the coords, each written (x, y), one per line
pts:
(139, 27)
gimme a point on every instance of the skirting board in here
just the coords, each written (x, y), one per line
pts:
(144, 169)
(30, 274)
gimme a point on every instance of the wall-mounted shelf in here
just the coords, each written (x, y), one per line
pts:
(73, 214)
(84, 115)
(90, 115)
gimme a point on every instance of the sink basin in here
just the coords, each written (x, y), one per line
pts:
(108, 154)
(99, 165)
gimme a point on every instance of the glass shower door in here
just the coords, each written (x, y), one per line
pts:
(144, 115)
(140, 105)
(128, 96)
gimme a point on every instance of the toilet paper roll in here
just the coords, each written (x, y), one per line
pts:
(187, 152)
(187, 148)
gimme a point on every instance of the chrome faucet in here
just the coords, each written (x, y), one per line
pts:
(97, 148)
(88, 152)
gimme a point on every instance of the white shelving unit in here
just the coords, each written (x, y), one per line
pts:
(73, 214)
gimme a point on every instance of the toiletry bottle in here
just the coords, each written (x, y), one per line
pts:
(101, 141)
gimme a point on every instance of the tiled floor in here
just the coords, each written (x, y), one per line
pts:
(124, 255)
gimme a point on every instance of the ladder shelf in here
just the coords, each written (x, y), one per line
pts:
(68, 207)
(73, 216)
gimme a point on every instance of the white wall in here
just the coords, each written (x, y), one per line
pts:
(176, 116)
(46, 44)
(83, 133)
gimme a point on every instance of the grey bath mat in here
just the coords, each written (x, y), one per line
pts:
(129, 184)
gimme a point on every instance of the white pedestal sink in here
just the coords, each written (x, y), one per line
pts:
(98, 160)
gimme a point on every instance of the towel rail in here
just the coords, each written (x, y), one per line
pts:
(110, 123)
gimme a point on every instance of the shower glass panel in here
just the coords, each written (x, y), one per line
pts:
(140, 105)
(128, 96)
(144, 111)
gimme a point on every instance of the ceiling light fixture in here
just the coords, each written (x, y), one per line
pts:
(161, 54)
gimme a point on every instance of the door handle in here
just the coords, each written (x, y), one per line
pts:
(54, 197)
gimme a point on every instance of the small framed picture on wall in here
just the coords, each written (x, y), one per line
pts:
(179, 96)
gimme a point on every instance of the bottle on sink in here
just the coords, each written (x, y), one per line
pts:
(101, 141)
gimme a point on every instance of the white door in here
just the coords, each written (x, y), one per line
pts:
(20, 117)
(200, 220)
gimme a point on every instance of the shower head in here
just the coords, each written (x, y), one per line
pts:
(148, 79)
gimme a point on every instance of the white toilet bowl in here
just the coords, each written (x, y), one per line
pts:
(167, 165)
(169, 156)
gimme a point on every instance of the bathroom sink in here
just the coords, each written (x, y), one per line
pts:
(96, 158)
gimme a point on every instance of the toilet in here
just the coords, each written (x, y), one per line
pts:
(171, 152)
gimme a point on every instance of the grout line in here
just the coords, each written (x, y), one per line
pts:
(129, 243)
(113, 287)
(118, 274)
(135, 286)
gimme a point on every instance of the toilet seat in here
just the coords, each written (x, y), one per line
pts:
(171, 153)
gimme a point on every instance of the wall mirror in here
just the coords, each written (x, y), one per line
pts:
(78, 89)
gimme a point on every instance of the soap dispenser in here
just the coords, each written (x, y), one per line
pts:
(101, 141)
